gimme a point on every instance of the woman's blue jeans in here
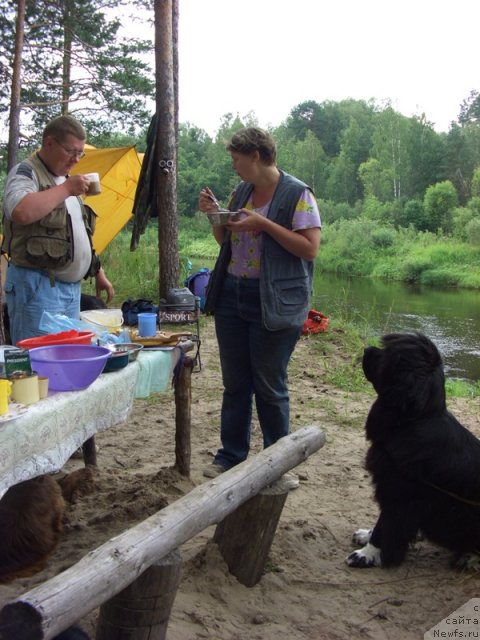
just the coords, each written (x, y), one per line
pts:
(254, 362)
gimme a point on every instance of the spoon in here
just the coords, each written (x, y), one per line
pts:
(209, 194)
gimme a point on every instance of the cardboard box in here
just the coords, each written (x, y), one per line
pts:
(17, 363)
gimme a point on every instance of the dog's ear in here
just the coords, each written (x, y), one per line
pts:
(411, 377)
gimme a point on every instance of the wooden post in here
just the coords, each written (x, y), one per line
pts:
(142, 610)
(89, 450)
(183, 413)
(246, 535)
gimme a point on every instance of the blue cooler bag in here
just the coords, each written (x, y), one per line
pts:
(197, 283)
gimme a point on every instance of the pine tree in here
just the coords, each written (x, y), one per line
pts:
(76, 61)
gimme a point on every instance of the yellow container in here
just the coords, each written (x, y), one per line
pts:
(25, 390)
(5, 393)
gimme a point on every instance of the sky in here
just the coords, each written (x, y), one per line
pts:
(267, 56)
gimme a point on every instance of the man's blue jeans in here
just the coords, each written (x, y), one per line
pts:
(254, 362)
(28, 294)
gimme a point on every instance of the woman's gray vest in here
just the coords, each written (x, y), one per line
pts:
(285, 279)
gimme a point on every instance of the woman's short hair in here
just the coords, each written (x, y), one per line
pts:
(59, 128)
(252, 139)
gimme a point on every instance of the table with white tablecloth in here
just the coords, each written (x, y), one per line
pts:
(41, 437)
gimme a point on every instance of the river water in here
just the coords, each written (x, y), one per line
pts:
(449, 317)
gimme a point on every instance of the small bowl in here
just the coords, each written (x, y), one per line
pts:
(116, 361)
(132, 349)
(220, 218)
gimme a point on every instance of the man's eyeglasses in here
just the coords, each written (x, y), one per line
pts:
(73, 153)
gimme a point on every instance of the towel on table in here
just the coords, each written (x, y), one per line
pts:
(155, 369)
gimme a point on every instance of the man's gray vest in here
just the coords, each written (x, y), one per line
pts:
(285, 280)
(46, 244)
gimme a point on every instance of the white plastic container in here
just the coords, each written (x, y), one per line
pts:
(109, 319)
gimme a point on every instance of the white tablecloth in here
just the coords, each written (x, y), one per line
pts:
(43, 438)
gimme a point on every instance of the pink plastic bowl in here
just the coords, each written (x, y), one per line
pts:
(69, 367)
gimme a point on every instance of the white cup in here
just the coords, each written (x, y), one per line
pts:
(94, 188)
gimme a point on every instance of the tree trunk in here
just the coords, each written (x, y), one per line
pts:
(175, 17)
(166, 160)
(142, 610)
(67, 57)
(14, 124)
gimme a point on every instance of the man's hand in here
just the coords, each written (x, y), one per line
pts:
(77, 185)
(102, 283)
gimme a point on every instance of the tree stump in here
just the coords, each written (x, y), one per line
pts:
(245, 536)
(142, 610)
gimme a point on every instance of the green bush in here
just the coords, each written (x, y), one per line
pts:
(472, 231)
(413, 268)
(413, 214)
(383, 237)
(439, 202)
(440, 278)
(332, 211)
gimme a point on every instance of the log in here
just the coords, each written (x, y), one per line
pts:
(183, 411)
(245, 536)
(142, 610)
(56, 604)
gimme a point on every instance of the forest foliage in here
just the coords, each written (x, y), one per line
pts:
(77, 59)
(383, 180)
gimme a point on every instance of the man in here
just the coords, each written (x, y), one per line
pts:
(48, 232)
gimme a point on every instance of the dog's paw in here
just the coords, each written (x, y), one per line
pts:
(362, 536)
(368, 556)
(468, 562)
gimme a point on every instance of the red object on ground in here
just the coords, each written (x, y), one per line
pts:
(316, 322)
(64, 337)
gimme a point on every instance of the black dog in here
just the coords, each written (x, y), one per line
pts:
(425, 465)
(73, 633)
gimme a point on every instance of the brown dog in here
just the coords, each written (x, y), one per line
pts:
(31, 521)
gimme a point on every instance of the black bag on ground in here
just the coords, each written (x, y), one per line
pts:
(131, 309)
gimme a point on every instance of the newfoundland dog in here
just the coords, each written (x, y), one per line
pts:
(425, 465)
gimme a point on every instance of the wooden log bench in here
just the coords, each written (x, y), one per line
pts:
(48, 609)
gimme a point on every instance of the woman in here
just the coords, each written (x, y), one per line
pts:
(266, 268)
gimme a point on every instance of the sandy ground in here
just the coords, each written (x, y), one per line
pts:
(307, 592)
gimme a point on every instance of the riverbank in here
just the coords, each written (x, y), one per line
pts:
(307, 591)
(359, 247)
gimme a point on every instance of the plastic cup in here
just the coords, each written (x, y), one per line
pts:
(5, 391)
(147, 325)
